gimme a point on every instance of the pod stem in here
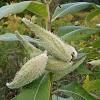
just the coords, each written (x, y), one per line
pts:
(48, 27)
(51, 84)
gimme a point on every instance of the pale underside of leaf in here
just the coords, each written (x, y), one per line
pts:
(13, 8)
(80, 34)
(12, 37)
(70, 8)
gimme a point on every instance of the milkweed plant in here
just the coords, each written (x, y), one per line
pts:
(53, 57)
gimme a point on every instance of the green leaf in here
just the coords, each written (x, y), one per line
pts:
(33, 6)
(59, 75)
(14, 8)
(97, 75)
(54, 97)
(38, 8)
(66, 29)
(92, 15)
(92, 85)
(15, 98)
(96, 43)
(79, 34)
(69, 8)
(75, 95)
(96, 6)
(78, 90)
(37, 90)
(83, 70)
(12, 37)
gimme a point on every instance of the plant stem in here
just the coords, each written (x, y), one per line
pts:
(51, 81)
(48, 22)
(48, 27)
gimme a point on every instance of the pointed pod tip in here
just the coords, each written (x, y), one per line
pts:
(23, 19)
(7, 84)
(27, 22)
(45, 54)
(16, 32)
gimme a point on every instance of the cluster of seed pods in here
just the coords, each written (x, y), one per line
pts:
(59, 56)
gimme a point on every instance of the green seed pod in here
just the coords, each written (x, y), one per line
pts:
(33, 51)
(55, 65)
(29, 72)
(51, 42)
(60, 74)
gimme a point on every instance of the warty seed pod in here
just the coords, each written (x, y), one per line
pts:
(60, 74)
(29, 72)
(51, 42)
(55, 65)
(33, 51)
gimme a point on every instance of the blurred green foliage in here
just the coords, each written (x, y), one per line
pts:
(94, 1)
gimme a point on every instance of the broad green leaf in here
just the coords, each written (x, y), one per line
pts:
(76, 88)
(38, 8)
(97, 75)
(96, 43)
(92, 85)
(96, 6)
(14, 8)
(75, 95)
(66, 29)
(37, 90)
(79, 34)
(83, 70)
(69, 8)
(33, 6)
(59, 75)
(92, 15)
(60, 9)
(12, 37)
(15, 98)
(54, 97)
